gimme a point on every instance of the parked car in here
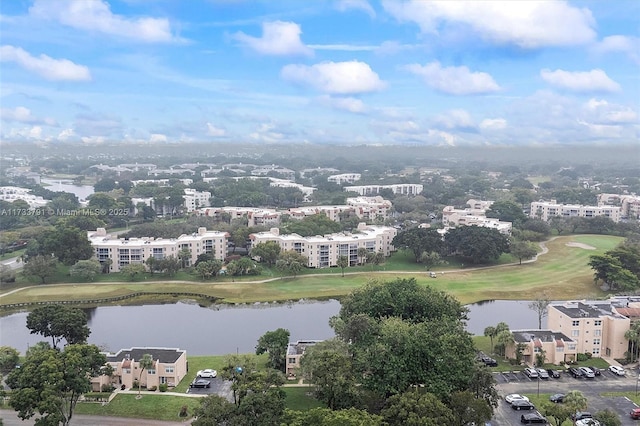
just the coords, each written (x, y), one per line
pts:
(553, 373)
(433, 275)
(595, 370)
(616, 370)
(521, 404)
(587, 422)
(207, 373)
(542, 373)
(581, 415)
(515, 397)
(200, 383)
(531, 373)
(586, 372)
(488, 361)
(533, 418)
(557, 398)
(635, 413)
(575, 372)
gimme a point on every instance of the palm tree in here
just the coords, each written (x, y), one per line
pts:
(362, 254)
(145, 363)
(504, 338)
(575, 401)
(632, 336)
(343, 262)
(490, 332)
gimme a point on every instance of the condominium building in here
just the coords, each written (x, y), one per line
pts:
(294, 354)
(546, 210)
(119, 252)
(332, 212)
(556, 346)
(398, 189)
(370, 208)
(255, 216)
(161, 182)
(596, 326)
(324, 251)
(629, 204)
(14, 193)
(344, 178)
(474, 214)
(195, 199)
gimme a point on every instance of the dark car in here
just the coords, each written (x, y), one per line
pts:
(595, 370)
(489, 362)
(575, 372)
(533, 418)
(200, 383)
(557, 398)
(553, 373)
(522, 405)
(581, 415)
(635, 413)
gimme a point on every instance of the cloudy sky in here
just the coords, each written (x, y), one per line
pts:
(321, 71)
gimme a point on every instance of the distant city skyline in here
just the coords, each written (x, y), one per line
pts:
(386, 72)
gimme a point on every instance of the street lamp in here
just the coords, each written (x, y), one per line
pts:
(538, 385)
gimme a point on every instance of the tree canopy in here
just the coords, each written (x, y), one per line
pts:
(476, 243)
(275, 344)
(418, 241)
(59, 322)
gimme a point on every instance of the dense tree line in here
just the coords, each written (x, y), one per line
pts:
(618, 268)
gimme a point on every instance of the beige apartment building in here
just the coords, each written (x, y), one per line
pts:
(294, 354)
(596, 326)
(629, 204)
(169, 367)
(324, 251)
(546, 210)
(398, 189)
(557, 346)
(474, 214)
(370, 208)
(119, 252)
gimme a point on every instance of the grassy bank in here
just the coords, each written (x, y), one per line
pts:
(562, 273)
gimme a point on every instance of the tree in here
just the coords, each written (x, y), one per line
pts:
(506, 211)
(185, 257)
(7, 274)
(214, 410)
(575, 400)
(362, 255)
(43, 267)
(144, 363)
(477, 243)
(69, 244)
(504, 339)
(343, 262)
(469, 410)
(482, 385)
(133, 271)
(59, 322)
(522, 250)
(633, 337)
(608, 417)
(431, 259)
(419, 240)
(541, 307)
(209, 268)
(292, 262)
(50, 382)
(246, 379)
(275, 344)
(233, 269)
(169, 265)
(540, 358)
(9, 358)
(328, 417)
(490, 332)
(415, 408)
(86, 269)
(267, 251)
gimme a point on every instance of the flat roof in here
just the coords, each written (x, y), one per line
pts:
(525, 336)
(586, 309)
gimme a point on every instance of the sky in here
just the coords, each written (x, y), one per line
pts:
(417, 72)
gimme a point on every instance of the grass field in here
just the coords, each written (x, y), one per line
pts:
(157, 406)
(562, 273)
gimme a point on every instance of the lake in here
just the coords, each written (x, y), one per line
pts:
(80, 191)
(224, 329)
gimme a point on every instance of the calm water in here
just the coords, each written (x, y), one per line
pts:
(224, 329)
(80, 191)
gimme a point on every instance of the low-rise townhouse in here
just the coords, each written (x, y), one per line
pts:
(295, 351)
(118, 252)
(169, 367)
(324, 251)
(596, 326)
(398, 189)
(557, 347)
(545, 210)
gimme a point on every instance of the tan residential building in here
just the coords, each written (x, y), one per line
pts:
(557, 346)
(371, 208)
(596, 326)
(118, 252)
(474, 214)
(332, 212)
(324, 251)
(546, 210)
(294, 354)
(629, 204)
(255, 216)
(169, 367)
(195, 199)
(398, 189)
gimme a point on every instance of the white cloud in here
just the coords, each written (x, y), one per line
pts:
(344, 47)
(454, 80)
(157, 138)
(66, 134)
(620, 44)
(96, 16)
(527, 24)
(443, 137)
(493, 124)
(278, 38)
(344, 5)
(24, 115)
(335, 77)
(344, 103)
(215, 131)
(45, 66)
(267, 132)
(580, 81)
(456, 119)
(602, 112)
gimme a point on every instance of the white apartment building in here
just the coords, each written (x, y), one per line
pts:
(596, 326)
(370, 208)
(121, 252)
(161, 182)
(629, 204)
(255, 216)
(344, 178)
(398, 189)
(332, 212)
(195, 199)
(474, 214)
(14, 193)
(323, 251)
(545, 210)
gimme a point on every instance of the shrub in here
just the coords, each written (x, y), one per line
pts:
(163, 387)
(107, 387)
(584, 357)
(183, 411)
(152, 388)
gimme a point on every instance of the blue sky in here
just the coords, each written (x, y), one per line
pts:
(321, 71)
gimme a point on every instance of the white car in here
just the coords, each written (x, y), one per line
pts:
(207, 373)
(587, 422)
(616, 370)
(515, 397)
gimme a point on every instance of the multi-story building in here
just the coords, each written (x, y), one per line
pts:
(398, 189)
(169, 367)
(557, 347)
(474, 214)
(162, 182)
(119, 252)
(324, 251)
(344, 178)
(332, 212)
(629, 204)
(14, 193)
(294, 354)
(255, 216)
(195, 199)
(370, 208)
(546, 210)
(596, 326)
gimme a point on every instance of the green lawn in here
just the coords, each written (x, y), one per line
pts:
(157, 406)
(300, 398)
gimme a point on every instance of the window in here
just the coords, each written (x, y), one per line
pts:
(292, 360)
(536, 350)
(559, 348)
(151, 371)
(596, 342)
(596, 351)
(168, 369)
(572, 347)
(597, 332)
(597, 323)
(575, 323)
(126, 370)
(575, 333)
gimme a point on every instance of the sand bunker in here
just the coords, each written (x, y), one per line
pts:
(580, 245)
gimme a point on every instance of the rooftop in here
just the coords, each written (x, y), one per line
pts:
(164, 355)
(300, 346)
(586, 309)
(526, 336)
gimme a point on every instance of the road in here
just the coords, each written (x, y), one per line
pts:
(10, 419)
(13, 262)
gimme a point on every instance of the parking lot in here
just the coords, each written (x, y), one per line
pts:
(592, 388)
(218, 387)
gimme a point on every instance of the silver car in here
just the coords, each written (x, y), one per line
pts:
(542, 373)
